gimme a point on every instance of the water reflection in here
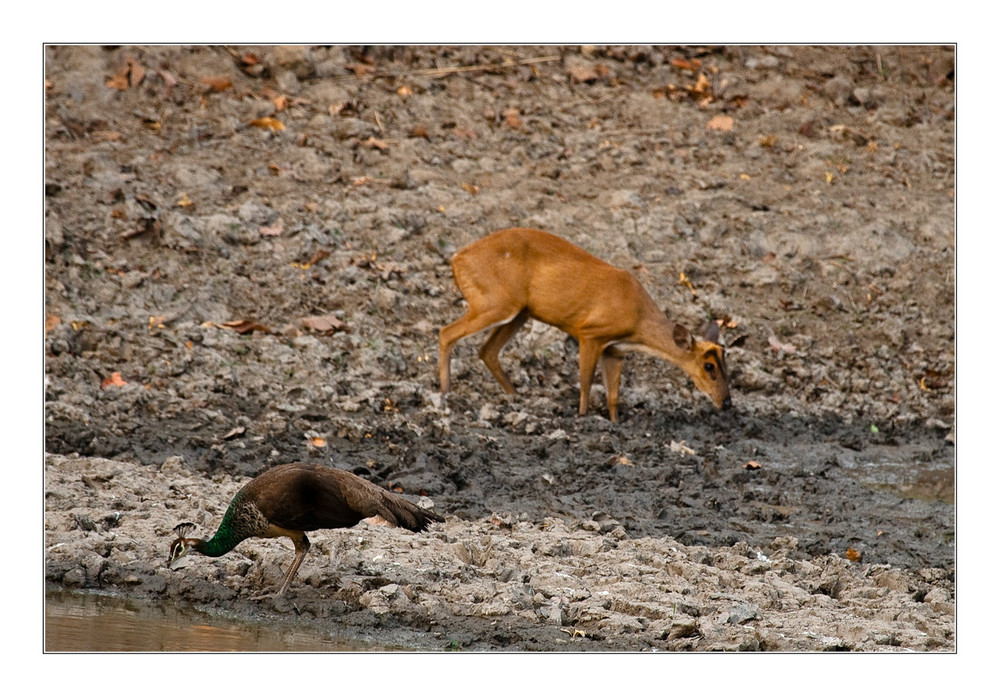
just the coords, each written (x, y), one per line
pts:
(90, 622)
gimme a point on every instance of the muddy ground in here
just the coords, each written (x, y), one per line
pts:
(247, 263)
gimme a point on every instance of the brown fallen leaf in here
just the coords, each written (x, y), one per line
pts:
(512, 117)
(360, 68)
(273, 230)
(681, 448)
(115, 380)
(582, 72)
(129, 74)
(686, 282)
(105, 136)
(720, 122)
(268, 123)
(317, 442)
(146, 225)
(219, 83)
(323, 324)
(245, 326)
(853, 554)
(168, 79)
(778, 347)
(471, 188)
(51, 322)
(317, 257)
(376, 144)
(752, 465)
(238, 431)
(693, 65)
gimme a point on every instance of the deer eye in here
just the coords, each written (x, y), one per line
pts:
(709, 368)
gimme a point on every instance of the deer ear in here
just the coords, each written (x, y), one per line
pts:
(712, 332)
(683, 338)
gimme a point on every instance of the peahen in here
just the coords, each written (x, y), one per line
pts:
(290, 500)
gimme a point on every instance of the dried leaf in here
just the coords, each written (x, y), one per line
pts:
(238, 431)
(620, 459)
(323, 324)
(281, 102)
(752, 465)
(853, 554)
(105, 136)
(513, 117)
(692, 65)
(129, 74)
(720, 122)
(146, 225)
(317, 442)
(471, 188)
(779, 347)
(681, 448)
(219, 83)
(245, 326)
(404, 91)
(317, 257)
(702, 87)
(582, 72)
(167, 78)
(51, 322)
(420, 132)
(686, 282)
(376, 143)
(273, 230)
(268, 123)
(115, 380)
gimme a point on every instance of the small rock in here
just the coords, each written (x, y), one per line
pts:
(682, 630)
(744, 612)
(839, 89)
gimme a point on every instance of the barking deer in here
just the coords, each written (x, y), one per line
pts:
(516, 274)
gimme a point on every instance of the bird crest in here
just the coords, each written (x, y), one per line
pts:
(184, 529)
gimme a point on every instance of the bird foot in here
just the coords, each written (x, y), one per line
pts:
(265, 596)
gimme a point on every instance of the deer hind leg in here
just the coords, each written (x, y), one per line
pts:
(611, 370)
(468, 324)
(490, 350)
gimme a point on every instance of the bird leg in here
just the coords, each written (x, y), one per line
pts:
(301, 547)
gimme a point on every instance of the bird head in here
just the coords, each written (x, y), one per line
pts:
(182, 545)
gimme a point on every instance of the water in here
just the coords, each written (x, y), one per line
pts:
(927, 482)
(93, 622)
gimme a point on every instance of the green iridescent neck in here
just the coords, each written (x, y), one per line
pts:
(226, 537)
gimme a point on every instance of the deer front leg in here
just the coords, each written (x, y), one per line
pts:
(590, 352)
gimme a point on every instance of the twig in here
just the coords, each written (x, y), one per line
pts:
(441, 72)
